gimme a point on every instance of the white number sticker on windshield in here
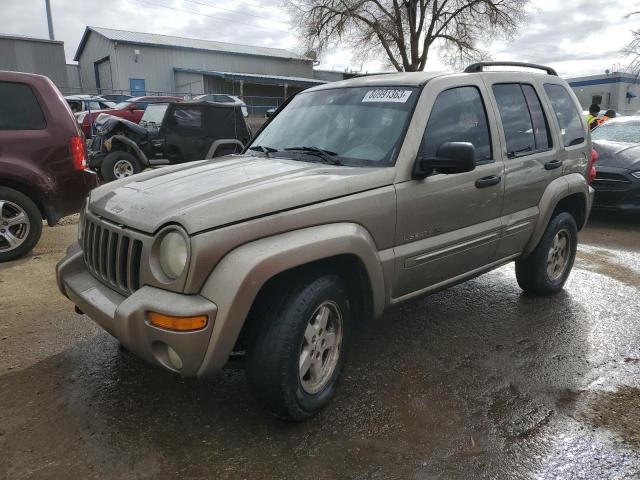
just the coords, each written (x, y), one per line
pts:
(387, 95)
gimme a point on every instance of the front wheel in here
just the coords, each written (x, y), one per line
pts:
(118, 165)
(297, 356)
(546, 269)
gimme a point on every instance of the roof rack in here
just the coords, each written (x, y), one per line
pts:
(479, 67)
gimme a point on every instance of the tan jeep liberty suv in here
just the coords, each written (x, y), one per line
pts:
(355, 196)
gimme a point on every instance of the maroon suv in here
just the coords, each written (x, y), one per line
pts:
(42, 161)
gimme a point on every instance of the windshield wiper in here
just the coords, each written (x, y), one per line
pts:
(327, 155)
(266, 150)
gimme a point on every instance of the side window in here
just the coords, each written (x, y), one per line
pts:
(567, 114)
(541, 133)
(516, 121)
(188, 117)
(19, 108)
(458, 115)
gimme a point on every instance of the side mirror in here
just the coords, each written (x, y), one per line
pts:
(451, 157)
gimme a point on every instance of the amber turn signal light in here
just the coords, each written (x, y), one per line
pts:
(178, 324)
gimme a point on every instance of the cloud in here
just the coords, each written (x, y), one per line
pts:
(575, 36)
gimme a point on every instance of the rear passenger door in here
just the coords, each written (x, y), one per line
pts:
(531, 156)
(448, 226)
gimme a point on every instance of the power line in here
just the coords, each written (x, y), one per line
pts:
(211, 16)
(236, 11)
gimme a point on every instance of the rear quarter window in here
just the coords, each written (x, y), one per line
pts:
(568, 116)
(19, 108)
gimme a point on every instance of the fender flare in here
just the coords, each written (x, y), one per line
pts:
(237, 279)
(223, 141)
(558, 189)
(130, 143)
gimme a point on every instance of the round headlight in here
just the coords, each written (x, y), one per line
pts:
(173, 254)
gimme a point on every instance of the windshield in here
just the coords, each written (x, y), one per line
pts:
(623, 132)
(154, 113)
(358, 126)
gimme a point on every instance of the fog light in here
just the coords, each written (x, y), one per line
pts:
(179, 324)
(174, 358)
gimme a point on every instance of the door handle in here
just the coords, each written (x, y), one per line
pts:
(488, 181)
(551, 164)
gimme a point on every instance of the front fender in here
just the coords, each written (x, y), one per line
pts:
(236, 280)
(134, 146)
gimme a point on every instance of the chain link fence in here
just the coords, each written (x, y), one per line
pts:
(256, 106)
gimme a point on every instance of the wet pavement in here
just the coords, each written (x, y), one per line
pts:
(478, 381)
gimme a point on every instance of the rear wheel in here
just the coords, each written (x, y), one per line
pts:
(20, 224)
(546, 269)
(119, 164)
(297, 356)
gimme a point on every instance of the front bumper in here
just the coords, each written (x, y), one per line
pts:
(616, 189)
(125, 317)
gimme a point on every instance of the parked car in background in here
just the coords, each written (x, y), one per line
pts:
(117, 97)
(42, 161)
(269, 113)
(354, 197)
(167, 134)
(82, 103)
(223, 98)
(131, 109)
(617, 182)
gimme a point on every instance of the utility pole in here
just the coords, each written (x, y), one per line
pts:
(49, 20)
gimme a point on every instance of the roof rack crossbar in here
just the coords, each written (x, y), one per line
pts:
(479, 67)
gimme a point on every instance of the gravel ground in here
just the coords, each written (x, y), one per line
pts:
(479, 381)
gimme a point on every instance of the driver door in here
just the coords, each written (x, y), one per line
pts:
(448, 226)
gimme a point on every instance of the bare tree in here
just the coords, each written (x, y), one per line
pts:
(405, 31)
(633, 49)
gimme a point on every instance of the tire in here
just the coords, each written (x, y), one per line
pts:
(18, 237)
(292, 329)
(119, 164)
(546, 269)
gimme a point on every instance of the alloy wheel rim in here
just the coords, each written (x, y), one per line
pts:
(558, 256)
(14, 226)
(320, 350)
(122, 169)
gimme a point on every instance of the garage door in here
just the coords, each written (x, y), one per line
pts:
(103, 76)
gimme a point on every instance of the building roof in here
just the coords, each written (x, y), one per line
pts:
(616, 77)
(257, 77)
(157, 40)
(29, 39)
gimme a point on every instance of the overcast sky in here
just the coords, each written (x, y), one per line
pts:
(577, 37)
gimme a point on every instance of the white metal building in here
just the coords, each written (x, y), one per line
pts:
(618, 91)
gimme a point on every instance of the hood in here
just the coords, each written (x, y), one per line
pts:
(107, 123)
(212, 193)
(618, 155)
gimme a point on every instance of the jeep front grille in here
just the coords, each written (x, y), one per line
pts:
(112, 256)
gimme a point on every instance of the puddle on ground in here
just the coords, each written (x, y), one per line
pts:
(617, 411)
